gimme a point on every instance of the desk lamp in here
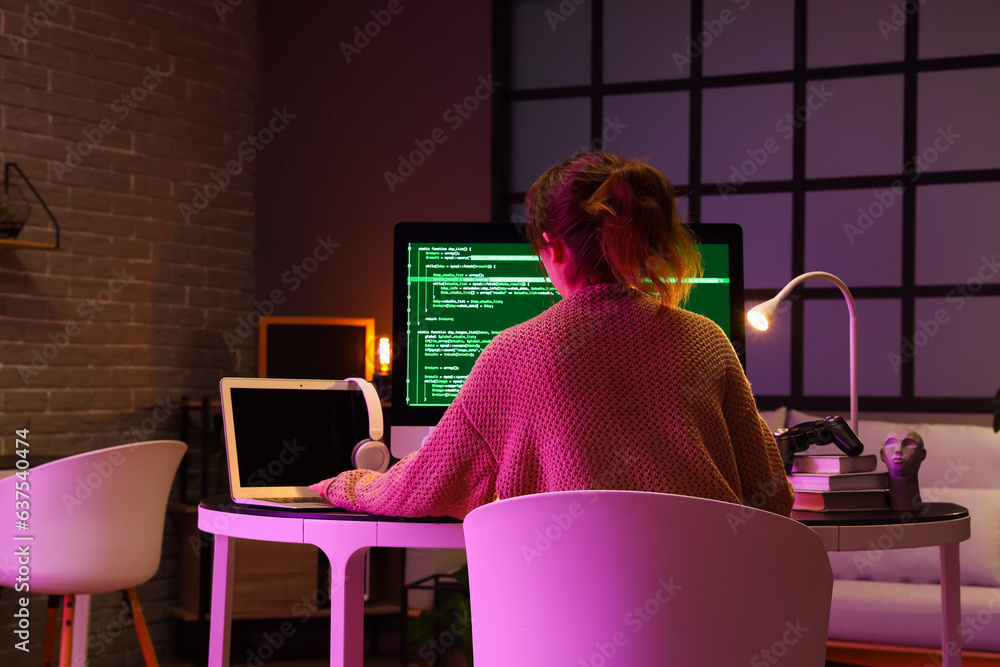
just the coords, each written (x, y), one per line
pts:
(761, 315)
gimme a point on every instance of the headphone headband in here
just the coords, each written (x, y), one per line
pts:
(375, 429)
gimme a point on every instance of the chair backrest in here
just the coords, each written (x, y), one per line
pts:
(633, 578)
(96, 519)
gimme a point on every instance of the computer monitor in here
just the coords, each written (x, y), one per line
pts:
(456, 285)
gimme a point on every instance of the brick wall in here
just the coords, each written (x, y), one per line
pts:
(120, 112)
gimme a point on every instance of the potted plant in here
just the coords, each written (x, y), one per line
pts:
(443, 635)
(14, 213)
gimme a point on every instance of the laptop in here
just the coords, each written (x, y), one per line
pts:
(284, 434)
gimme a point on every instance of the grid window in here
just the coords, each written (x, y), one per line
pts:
(857, 137)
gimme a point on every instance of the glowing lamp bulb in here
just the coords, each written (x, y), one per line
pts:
(384, 355)
(760, 316)
(757, 320)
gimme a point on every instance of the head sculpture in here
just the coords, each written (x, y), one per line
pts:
(903, 452)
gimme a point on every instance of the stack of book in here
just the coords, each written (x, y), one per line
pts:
(825, 483)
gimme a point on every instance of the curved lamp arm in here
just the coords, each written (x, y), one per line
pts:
(761, 315)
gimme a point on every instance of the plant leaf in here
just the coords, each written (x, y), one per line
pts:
(996, 416)
(419, 629)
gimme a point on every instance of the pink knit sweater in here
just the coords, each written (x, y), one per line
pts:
(601, 391)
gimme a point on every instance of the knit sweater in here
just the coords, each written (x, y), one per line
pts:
(604, 390)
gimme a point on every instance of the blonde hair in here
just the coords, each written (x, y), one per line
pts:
(618, 218)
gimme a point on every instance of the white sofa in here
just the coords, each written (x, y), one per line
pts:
(893, 596)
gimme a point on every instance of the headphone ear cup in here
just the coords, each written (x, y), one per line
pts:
(370, 455)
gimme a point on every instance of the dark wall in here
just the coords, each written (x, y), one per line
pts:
(325, 174)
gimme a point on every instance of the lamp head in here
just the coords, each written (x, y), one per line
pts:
(760, 316)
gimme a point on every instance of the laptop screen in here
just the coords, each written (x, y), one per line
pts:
(295, 437)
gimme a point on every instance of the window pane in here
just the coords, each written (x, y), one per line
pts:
(963, 28)
(653, 126)
(646, 40)
(854, 126)
(957, 225)
(740, 36)
(766, 220)
(543, 133)
(746, 134)
(769, 360)
(550, 44)
(957, 115)
(954, 346)
(849, 32)
(826, 364)
(855, 235)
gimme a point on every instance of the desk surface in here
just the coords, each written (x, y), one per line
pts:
(932, 512)
(224, 503)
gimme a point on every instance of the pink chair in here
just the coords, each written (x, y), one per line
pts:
(592, 578)
(96, 526)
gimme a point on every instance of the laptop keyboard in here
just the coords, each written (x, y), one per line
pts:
(296, 499)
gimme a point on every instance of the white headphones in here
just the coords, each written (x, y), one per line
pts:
(371, 454)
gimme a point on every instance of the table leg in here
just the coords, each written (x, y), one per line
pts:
(222, 602)
(345, 544)
(347, 608)
(81, 626)
(951, 606)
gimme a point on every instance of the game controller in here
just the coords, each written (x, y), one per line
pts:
(819, 432)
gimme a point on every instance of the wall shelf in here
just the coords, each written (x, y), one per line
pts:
(9, 167)
(14, 243)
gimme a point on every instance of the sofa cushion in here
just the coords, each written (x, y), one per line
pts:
(775, 418)
(979, 555)
(910, 614)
